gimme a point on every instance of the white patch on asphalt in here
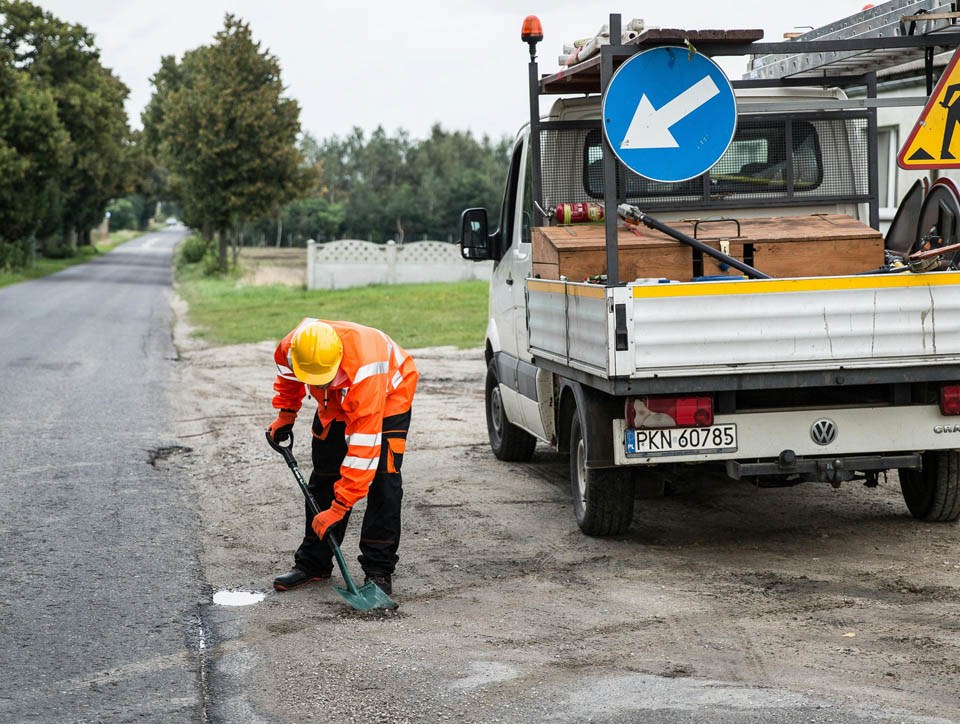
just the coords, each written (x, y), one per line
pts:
(237, 598)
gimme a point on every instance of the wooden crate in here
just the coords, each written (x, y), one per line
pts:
(579, 251)
(788, 246)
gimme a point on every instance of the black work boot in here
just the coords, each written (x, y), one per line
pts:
(294, 578)
(381, 579)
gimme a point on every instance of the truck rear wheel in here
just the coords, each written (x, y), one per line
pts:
(934, 492)
(602, 497)
(507, 441)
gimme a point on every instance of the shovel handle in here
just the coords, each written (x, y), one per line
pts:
(342, 564)
(287, 452)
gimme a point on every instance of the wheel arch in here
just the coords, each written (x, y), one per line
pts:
(492, 337)
(488, 352)
(597, 410)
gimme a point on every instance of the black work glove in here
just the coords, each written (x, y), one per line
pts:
(281, 428)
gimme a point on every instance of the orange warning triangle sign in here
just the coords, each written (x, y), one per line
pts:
(934, 141)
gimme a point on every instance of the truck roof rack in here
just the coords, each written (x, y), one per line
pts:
(841, 53)
(585, 77)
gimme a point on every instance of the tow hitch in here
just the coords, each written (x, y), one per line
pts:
(788, 469)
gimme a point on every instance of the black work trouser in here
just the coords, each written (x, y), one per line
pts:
(380, 531)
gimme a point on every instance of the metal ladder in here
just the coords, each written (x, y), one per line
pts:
(882, 21)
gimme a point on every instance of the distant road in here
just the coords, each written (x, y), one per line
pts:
(99, 573)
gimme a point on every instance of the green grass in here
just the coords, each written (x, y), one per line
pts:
(415, 315)
(43, 266)
(225, 311)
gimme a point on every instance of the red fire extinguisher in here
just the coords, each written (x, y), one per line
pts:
(578, 213)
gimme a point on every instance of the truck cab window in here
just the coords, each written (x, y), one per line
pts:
(509, 206)
(527, 202)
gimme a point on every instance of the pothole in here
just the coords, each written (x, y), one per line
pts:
(162, 454)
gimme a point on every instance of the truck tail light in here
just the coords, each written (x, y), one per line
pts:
(950, 400)
(670, 411)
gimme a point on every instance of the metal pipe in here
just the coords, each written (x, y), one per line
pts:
(610, 196)
(633, 213)
(535, 183)
(873, 155)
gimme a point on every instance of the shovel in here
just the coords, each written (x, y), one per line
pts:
(367, 597)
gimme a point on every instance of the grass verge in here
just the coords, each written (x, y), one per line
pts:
(415, 315)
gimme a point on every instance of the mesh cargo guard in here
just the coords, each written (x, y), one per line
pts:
(757, 169)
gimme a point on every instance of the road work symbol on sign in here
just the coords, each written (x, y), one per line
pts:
(669, 114)
(934, 141)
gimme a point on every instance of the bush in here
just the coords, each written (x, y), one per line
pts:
(15, 255)
(53, 249)
(211, 265)
(193, 249)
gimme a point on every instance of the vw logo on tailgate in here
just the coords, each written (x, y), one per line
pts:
(823, 431)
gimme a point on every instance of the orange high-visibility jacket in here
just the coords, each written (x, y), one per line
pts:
(377, 379)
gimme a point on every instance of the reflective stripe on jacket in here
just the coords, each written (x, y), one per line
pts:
(377, 379)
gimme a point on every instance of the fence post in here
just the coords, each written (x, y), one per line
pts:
(311, 262)
(391, 262)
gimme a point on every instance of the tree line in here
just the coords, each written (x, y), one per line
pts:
(221, 144)
(380, 187)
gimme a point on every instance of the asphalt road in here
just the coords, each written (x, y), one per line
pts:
(99, 572)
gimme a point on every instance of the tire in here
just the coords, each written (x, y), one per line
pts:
(507, 441)
(602, 498)
(933, 493)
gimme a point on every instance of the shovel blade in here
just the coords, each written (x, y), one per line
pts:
(369, 596)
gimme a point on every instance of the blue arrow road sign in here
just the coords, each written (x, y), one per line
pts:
(669, 115)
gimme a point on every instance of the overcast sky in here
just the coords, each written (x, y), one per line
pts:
(402, 64)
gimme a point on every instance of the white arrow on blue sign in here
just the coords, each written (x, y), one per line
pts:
(669, 115)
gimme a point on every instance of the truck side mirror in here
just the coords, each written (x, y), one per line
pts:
(475, 242)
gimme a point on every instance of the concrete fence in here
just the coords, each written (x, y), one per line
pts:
(355, 263)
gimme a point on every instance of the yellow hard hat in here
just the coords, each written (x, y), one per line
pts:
(315, 353)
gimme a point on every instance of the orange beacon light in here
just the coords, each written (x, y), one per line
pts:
(531, 33)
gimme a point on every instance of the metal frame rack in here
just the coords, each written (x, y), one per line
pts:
(845, 54)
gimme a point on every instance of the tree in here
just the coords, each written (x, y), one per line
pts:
(314, 217)
(149, 181)
(154, 175)
(62, 58)
(34, 153)
(125, 213)
(227, 134)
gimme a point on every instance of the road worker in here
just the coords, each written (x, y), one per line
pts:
(363, 383)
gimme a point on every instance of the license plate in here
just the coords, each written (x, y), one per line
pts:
(681, 441)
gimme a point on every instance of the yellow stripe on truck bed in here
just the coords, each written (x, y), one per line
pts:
(808, 284)
(574, 289)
